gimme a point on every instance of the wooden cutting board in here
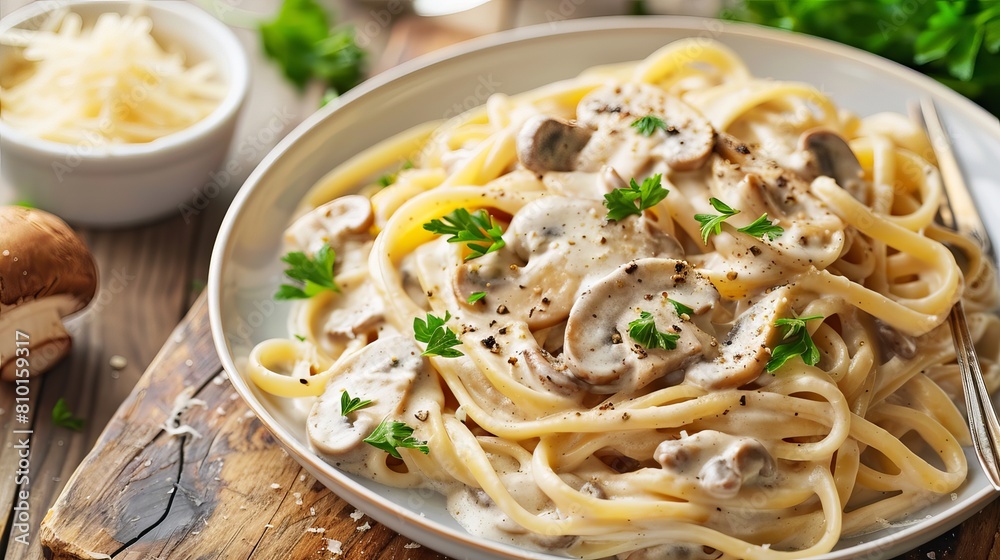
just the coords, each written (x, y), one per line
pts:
(226, 489)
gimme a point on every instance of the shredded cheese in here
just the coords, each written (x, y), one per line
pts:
(111, 83)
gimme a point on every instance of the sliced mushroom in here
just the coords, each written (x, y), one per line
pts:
(813, 235)
(598, 347)
(46, 273)
(719, 464)
(343, 223)
(550, 144)
(894, 343)
(824, 152)
(684, 144)
(556, 247)
(382, 372)
(747, 348)
(357, 311)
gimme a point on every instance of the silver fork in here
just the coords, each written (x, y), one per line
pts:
(959, 213)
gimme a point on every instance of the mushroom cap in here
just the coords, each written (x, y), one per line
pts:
(41, 256)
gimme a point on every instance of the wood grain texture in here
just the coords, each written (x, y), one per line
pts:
(144, 493)
(139, 301)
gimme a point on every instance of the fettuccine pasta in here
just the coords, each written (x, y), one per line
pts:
(663, 309)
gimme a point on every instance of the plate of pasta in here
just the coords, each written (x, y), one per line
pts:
(620, 288)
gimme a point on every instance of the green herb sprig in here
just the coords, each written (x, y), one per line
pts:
(681, 308)
(349, 405)
(957, 43)
(390, 435)
(711, 224)
(314, 273)
(390, 178)
(632, 200)
(649, 124)
(643, 330)
(438, 338)
(62, 416)
(300, 40)
(478, 231)
(762, 227)
(795, 342)
(475, 296)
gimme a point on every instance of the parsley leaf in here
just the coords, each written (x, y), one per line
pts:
(349, 405)
(390, 434)
(681, 308)
(762, 227)
(621, 203)
(316, 274)
(643, 330)
(62, 416)
(299, 337)
(438, 338)
(299, 39)
(957, 43)
(712, 223)
(796, 342)
(476, 296)
(647, 125)
(390, 178)
(469, 228)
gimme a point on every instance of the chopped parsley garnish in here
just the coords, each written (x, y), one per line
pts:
(762, 227)
(438, 338)
(390, 178)
(62, 416)
(349, 405)
(478, 231)
(300, 40)
(299, 337)
(647, 125)
(315, 274)
(795, 342)
(622, 203)
(476, 296)
(712, 223)
(681, 308)
(643, 331)
(390, 435)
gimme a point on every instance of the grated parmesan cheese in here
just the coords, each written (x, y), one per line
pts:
(110, 83)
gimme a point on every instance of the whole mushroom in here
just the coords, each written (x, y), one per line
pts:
(46, 273)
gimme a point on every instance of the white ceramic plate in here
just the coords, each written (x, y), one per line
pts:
(246, 269)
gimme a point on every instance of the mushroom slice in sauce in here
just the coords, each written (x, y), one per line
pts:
(598, 348)
(813, 235)
(824, 152)
(747, 348)
(718, 463)
(382, 372)
(343, 223)
(550, 144)
(685, 143)
(556, 247)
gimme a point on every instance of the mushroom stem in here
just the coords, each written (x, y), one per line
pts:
(40, 325)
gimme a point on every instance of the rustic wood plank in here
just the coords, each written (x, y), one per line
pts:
(139, 301)
(142, 493)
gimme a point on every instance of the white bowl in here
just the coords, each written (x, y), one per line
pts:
(128, 183)
(246, 269)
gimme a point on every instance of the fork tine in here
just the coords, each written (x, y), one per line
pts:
(959, 209)
(963, 207)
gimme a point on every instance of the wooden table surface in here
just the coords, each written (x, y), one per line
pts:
(150, 278)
